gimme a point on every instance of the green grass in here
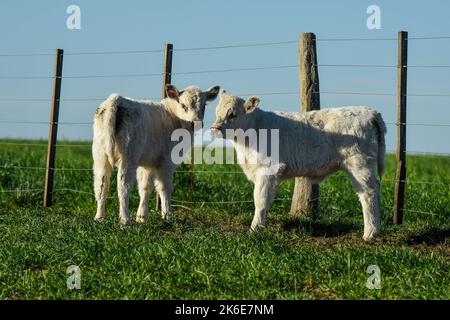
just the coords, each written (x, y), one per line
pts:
(206, 252)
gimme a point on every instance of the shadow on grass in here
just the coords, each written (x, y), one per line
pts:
(318, 228)
(21, 200)
(433, 236)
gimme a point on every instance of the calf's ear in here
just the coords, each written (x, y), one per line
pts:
(212, 93)
(251, 104)
(172, 92)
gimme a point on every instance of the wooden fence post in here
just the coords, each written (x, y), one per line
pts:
(166, 79)
(402, 66)
(305, 200)
(53, 130)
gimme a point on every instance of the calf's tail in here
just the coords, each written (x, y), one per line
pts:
(380, 128)
(106, 123)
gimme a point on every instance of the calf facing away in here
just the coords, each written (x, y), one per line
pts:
(312, 144)
(135, 136)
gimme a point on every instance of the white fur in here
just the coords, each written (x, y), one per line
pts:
(313, 144)
(135, 136)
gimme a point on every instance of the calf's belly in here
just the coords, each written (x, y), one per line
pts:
(315, 169)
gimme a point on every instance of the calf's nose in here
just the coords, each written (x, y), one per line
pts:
(215, 126)
(216, 130)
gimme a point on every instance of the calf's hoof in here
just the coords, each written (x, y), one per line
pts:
(125, 222)
(166, 215)
(99, 218)
(370, 236)
(141, 218)
(257, 228)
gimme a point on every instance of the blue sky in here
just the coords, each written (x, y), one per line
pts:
(40, 27)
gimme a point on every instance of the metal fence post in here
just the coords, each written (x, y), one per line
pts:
(402, 69)
(53, 130)
(166, 79)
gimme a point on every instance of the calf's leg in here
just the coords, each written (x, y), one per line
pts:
(125, 180)
(367, 187)
(102, 177)
(263, 194)
(163, 184)
(145, 186)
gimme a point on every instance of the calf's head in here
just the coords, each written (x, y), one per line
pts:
(189, 103)
(230, 111)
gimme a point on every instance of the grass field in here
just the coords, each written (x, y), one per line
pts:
(207, 252)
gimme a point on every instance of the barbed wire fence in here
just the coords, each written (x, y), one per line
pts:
(11, 167)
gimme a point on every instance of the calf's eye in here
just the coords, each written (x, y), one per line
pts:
(184, 107)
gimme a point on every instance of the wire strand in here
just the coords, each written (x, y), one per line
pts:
(216, 71)
(117, 52)
(6, 166)
(93, 76)
(183, 201)
(45, 122)
(420, 124)
(231, 46)
(381, 39)
(380, 66)
(383, 94)
(236, 69)
(207, 122)
(20, 190)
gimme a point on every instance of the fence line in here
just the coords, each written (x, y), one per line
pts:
(420, 124)
(216, 71)
(410, 152)
(46, 122)
(5, 167)
(21, 190)
(24, 144)
(381, 66)
(236, 69)
(69, 99)
(382, 39)
(206, 122)
(232, 46)
(189, 202)
(384, 94)
(248, 94)
(418, 153)
(24, 99)
(116, 52)
(113, 52)
(7, 55)
(83, 76)
(229, 46)
(45, 145)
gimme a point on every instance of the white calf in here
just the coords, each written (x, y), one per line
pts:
(135, 136)
(312, 144)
